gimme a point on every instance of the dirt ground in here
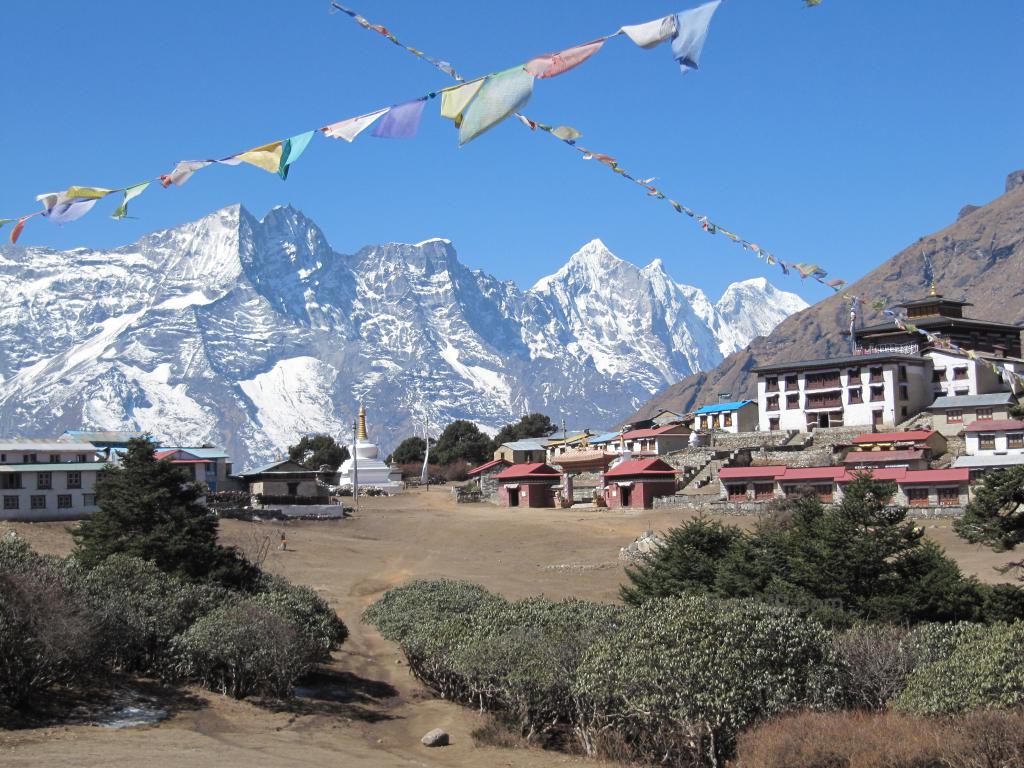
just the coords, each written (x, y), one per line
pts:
(366, 710)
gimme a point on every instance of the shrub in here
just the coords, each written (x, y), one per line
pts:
(315, 622)
(683, 675)
(985, 669)
(48, 632)
(242, 649)
(143, 609)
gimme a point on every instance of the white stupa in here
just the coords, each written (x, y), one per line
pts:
(364, 461)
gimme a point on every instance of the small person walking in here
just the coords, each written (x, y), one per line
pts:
(284, 541)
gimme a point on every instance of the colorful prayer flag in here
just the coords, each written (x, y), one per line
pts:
(69, 210)
(501, 94)
(691, 32)
(16, 232)
(129, 194)
(552, 64)
(402, 121)
(290, 151)
(566, 133)
(353, 126)
(183, 172)
(88, 193)
(455, 100)
(267, 157)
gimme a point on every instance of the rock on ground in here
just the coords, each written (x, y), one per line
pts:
(435, 738)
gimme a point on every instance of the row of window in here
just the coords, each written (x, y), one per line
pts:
(712, 421)
(987, 442)
(854, 396)
(53, 458)
(958, 373)
(916, 497)
(44, 481)
(40, 501)
(956, 416)
(830, 380)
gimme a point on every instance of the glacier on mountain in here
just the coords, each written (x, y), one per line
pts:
(249, 333)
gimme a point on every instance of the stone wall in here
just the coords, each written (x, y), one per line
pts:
(812, 457)
(727, 442)
(712, 505)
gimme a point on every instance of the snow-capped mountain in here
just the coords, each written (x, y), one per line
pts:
(249, 333)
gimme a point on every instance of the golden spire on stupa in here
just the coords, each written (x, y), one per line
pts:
(361, 434)
(933, 291)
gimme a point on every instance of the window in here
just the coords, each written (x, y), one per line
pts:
(984, 414)
(293, 489)
(903, 373)
(938, 375)
(82, 458)
(727, 420)
(3, 458)
(917, 497)
(876, 376)
(878, 393)
(10, 502)
(714, 420)
(792, 402)
(63, 501)
(904, 392)
(44, 481)
(28, 458)
(960, 373)
(877, 418)
(789, 490)
(55, 458)
(773, 424)
(904, 413)
(824, 493)
(74, 479)
(737, 492)
(38, 501)
(11, 482)
(855, 395)
(792, 382)
(954, 416)
(764, 491)
(773, 403)
(1015, 440)
(771, 384)
(853, 376)
(89, 499)
(949, 497)
(986, 442)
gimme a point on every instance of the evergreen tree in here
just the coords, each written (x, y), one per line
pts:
(410, 451)
(462, 440)
(315, 451)
(531, 425)
(995, 516)
(151, 509)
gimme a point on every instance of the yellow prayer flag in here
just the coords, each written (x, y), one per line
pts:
(455, 100)
(87, 193)
(267, 157)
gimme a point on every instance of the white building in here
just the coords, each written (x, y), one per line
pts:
(856, 390)
(952, 414)
(47, 479)
(995, 437)
(735, 417)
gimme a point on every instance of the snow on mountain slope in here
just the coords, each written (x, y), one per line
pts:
(252, 332)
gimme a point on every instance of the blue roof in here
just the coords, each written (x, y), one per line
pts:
(607, 437)
(734, 406)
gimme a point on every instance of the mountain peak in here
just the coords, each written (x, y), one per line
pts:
(594, 252)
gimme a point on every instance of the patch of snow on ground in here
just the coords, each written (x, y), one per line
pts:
(482, 379)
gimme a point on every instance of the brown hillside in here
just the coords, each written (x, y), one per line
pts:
(980, 258)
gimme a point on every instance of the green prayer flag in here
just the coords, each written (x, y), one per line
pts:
(129, 194)
(566, 133)
(5, 221)
(291, 149)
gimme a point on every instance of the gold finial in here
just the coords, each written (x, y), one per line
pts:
(933, 291)
(361, 435)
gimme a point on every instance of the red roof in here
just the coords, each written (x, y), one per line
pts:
(880, 457)
(895, 437)
(671, 429)
(878, 473)
(166, 455)
(812, 473)
(938, 476)
(740, 473)
(994, 425)
(634, 467)
(527, 471)
(485, 467)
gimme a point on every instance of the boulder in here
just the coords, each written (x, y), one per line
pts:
(435, 738)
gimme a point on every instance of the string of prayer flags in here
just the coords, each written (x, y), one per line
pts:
(501, 94)
(183, 172)
(454, 100)
(402, 121)
(691, 32)
(291, 149)
(130, 193)
(353, 126)
(553, 64)
(651, 33)
(810, 270)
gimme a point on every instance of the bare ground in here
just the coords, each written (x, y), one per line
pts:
(365, 709)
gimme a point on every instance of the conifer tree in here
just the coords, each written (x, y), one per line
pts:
(995, 516)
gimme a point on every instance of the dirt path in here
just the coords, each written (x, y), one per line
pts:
(366, 710)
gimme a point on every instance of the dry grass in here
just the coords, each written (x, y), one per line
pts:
(865, 740)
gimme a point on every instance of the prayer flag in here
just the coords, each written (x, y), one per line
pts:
(69, 210)
(16, 232)
(402, 121)
(501, 94)
(651, 34)
(691, 32)
(290, 151)
(349, 129)
(129, 194)
(455, 100)
(552, 64)
(5, 221)
(183, 172)
(88, 193)
(566, 133)
(267, 157)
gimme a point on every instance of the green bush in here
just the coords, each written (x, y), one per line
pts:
(683, 675)
(306, 612)
(49, 634)
(242, 649)
(984, 670)
(144, 608)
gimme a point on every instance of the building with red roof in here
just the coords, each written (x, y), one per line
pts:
(995, 437)
(528, 485)
(486, 476)
(638, 482)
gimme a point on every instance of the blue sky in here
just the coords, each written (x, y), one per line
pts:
(837, 135)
